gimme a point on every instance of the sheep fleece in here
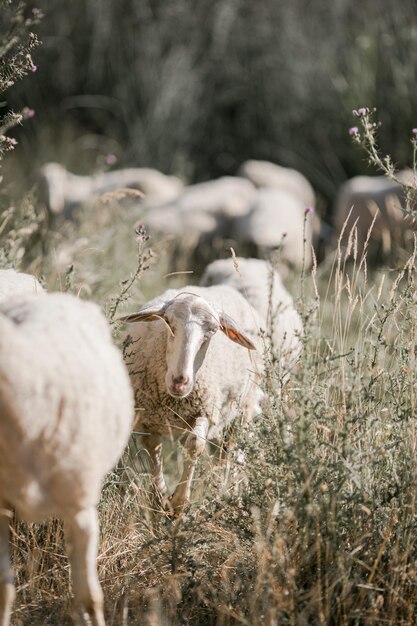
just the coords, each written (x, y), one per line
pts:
(65, 404)
(224, 385)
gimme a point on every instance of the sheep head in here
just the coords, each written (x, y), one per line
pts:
(191, 322)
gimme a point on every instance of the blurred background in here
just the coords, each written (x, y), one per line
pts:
(195, 87)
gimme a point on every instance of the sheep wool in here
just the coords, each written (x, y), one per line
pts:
(66, 410)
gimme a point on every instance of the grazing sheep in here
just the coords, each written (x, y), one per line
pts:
(277, 219)
(13, 283)
(263, 288)
(362, 199)
(188, 376)
(63, 191)
(267, 174)
(66, 411)
(228, 196)
(186, 229)
(197, 222)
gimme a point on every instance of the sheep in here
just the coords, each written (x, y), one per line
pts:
(188, 228)
(267, 174)
(228, 197)
(197, 222)
(365, 200)
(63, 191)
(185, 237)
(263, 288)
(13, 283)
(66, 409)
(189, 377)
(277, 219)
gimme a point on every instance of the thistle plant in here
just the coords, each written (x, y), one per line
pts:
(17, 44)
(19, 222)
(366, 136)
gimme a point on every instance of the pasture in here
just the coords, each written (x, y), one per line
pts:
(306, 516)
(318, 525)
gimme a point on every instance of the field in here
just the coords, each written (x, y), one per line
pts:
(311, 517)
(318, 525)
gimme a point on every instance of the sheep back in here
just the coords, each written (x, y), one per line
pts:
(13, 283)
(65, 401)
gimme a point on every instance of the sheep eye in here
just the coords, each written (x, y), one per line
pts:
(210, 332)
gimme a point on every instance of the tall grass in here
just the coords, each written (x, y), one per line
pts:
(317, 526)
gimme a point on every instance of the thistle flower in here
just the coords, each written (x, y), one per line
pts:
(28, 113)
(111, 159)
(360, 112)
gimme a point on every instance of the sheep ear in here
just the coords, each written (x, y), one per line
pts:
(144, 315)
(231, 330)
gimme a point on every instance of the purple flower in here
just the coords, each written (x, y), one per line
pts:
(111, 159)
(33, 68)
(353, 131)
(360, 112)
(414, 131)
(309, 209)
(28, 113)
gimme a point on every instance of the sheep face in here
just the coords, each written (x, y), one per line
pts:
(191, 322)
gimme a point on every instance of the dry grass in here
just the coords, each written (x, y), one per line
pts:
(319, 524)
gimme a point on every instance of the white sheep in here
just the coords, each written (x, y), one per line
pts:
(62, 191)
(267, 174)
(228, 197)
(13, 283)
(277, 219)
(263, 288)
(363, 202)
(190, 373)
(197, 222)
(66, 411)
(185, 229)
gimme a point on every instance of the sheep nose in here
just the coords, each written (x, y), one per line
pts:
(180, 381)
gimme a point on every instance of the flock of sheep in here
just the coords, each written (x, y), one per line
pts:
(192, 358)
(68, 394)
(263, 208)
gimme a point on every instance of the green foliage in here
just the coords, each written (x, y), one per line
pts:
(196, 87)
(17, 43)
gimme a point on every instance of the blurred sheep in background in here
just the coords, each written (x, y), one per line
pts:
(378, 202)
(278, 220)
(62, 192)
(201, 218)
(267, 174)
(262, 286)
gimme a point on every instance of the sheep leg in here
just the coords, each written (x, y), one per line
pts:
(82, 533)
(194, 448)
(153, 445)
(7, 591)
